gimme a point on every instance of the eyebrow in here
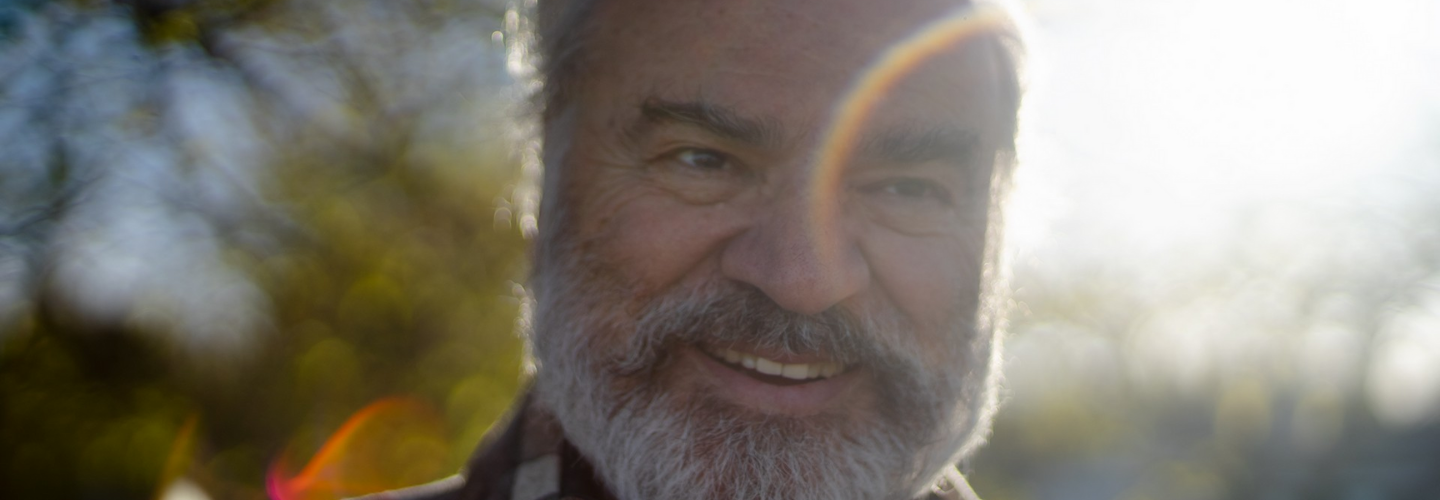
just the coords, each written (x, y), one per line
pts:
(919, 145)
(905, 145)
(712, 118)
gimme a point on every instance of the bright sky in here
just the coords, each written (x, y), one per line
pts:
(1166, 133)
(1158, 120)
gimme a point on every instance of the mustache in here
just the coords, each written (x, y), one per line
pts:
(740, 315)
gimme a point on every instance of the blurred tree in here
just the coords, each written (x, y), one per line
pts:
(257, 215)
(1270, 366)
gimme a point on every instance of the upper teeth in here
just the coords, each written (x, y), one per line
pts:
(795, 371)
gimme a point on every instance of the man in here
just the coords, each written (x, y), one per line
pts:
(767, 258)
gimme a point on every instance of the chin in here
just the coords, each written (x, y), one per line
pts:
(655, 425)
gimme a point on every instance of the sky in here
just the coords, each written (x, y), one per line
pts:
(1162, 122)
(1239, 159)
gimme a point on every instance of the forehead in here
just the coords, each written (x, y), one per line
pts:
(792, 59)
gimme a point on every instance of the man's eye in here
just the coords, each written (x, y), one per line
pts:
(698, 175)
(915, 205)
(916, 190)
(702, 158)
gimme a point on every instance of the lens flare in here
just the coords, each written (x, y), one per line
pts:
(178, 460)
(391, 443)
(853, 110)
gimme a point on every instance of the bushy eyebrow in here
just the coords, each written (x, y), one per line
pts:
(904, 145)
(920, 145)
(712, 118)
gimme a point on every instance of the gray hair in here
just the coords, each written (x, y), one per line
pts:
(561, 27)
(560, 31)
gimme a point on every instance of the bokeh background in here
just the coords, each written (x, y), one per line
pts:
(257, 248)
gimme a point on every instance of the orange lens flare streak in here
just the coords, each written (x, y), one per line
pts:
(854, 109)
(325, 475)
(182, 450)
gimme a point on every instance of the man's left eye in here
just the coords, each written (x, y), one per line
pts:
(702, 158)
(913, 190)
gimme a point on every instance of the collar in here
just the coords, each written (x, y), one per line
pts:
(531, 460)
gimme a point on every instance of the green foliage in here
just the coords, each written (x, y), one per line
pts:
(399, 284)
(385, 265)
(84, 416)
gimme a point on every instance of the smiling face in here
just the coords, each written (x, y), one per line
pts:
(718, 313)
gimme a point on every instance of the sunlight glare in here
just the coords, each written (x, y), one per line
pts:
(1164, 121)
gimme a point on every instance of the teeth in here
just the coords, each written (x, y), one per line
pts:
(797, 372)
(732, 356)
(768, 367)
(794, 371)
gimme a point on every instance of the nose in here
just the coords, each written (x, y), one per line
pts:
(802, 254)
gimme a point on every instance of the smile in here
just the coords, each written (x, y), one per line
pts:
(755, 364)
(776, 383)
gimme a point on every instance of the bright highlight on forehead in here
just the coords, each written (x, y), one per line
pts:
(854, 109)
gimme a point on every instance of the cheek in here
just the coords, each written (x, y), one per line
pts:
(933, 281)
(636, 230)
(655, 242)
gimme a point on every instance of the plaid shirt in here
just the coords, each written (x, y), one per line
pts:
(531, 460)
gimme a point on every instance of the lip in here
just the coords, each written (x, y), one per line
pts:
(802, 399)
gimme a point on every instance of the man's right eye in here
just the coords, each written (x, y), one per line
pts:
(703, 159)
(697, 174)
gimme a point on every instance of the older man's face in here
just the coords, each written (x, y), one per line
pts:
(707, 288)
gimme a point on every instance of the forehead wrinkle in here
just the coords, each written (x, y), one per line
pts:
(711, 117)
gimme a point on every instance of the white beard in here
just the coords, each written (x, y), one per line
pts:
(596, 369)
